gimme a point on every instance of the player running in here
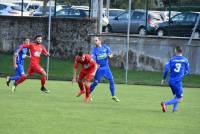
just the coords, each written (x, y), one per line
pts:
(87, 72)
(18, 64)
(36, 49)
(100, 54)
(178, 67)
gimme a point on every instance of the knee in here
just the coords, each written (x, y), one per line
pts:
(111, 81)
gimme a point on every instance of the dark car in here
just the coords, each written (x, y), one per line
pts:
(74, 12)
(138, 22)
(181, 24)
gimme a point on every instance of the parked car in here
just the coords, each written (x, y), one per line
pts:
(181, 24)
(39, 11)
(9, 9)
(74, 12)
(138, 23)
(114, 12)
(30, 6)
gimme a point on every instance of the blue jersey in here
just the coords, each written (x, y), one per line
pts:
(20, 57)
(178, 67)
(100, 55)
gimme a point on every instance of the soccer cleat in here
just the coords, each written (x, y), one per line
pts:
(80, 93)
(164, 108)
(43, 89)
(87, 99)
(115, 98)
(13, 88)
(8, 81)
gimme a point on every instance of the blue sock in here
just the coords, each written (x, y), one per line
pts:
(175, 107)
(92, 86)
(172, 101)
(15, 78)
(112, 87)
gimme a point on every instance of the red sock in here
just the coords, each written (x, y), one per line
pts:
(81, 85)
(22, 78)
(43, 80)
(87, 88)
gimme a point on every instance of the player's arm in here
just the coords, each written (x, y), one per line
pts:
(167, 66)
(21, 47)
(187, 68)
(44, 51)
(14, 61)
(109, 53)
(75, 70)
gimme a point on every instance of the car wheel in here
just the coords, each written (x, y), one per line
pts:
(142, 32)
(196, 35)
(160, 33)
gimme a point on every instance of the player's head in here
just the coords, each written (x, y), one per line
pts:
(38, 38)
(178, 50)
(81, 55)
(97, 41)
(27, 41)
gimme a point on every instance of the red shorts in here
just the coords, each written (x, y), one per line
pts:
(34, 69)
(86, 74)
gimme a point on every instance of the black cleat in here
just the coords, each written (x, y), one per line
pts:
(8, 81)
(43, 89)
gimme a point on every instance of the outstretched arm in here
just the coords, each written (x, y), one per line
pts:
(167, 66)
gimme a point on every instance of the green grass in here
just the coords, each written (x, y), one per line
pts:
(28, 111)
(62, 69)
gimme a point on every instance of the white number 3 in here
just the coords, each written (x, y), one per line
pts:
(177, 67)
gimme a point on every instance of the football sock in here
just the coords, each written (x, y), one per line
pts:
(112, 87)
(14, 78)
(92, 86)
(175, 107)
(22, 78)
(43, 81)
(81, 85)
(172, 101)
(87, 88)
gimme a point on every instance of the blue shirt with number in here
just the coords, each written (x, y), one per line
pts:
(100, 55)
(178, 67)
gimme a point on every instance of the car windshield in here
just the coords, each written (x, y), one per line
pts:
(114, 12)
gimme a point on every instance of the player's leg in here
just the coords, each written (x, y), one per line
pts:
(80, 83)
(38, 69)
(179, 95)
(89, 76)
(97, 78)
(175, 100)
(18, 72)
(22, 78)
(108, 75)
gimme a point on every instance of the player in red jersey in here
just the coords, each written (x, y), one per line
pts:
(86, 74)
(36, 49)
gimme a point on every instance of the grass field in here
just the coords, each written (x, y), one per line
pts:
(28, 111)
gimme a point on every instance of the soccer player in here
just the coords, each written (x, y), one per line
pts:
(87, 72)
(100, 54)
(178, 67)
(18, 64)
(36, 49)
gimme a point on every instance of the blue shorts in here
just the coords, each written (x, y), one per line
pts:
(177, 88)
(103, 72)
(19, 70)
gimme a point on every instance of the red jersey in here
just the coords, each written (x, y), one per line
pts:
(35, 52)
(88, 62)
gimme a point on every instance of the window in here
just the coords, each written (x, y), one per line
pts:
(123, 16)
(191, 17)
(2, 7)
(138, 16)
(179, 17)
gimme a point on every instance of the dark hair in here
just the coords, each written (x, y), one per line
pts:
(178, 49)
(80, 53)
(38, 35)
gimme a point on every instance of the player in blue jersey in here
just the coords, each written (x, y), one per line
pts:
(178, 67)
(18, 64)
(100, 54)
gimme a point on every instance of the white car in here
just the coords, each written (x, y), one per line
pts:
(9, 9)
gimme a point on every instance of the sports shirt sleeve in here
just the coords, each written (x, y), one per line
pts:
(93, 55)
(76, 63)
(187, 68)
(44, 51)
(167, 67)
(109, 52)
